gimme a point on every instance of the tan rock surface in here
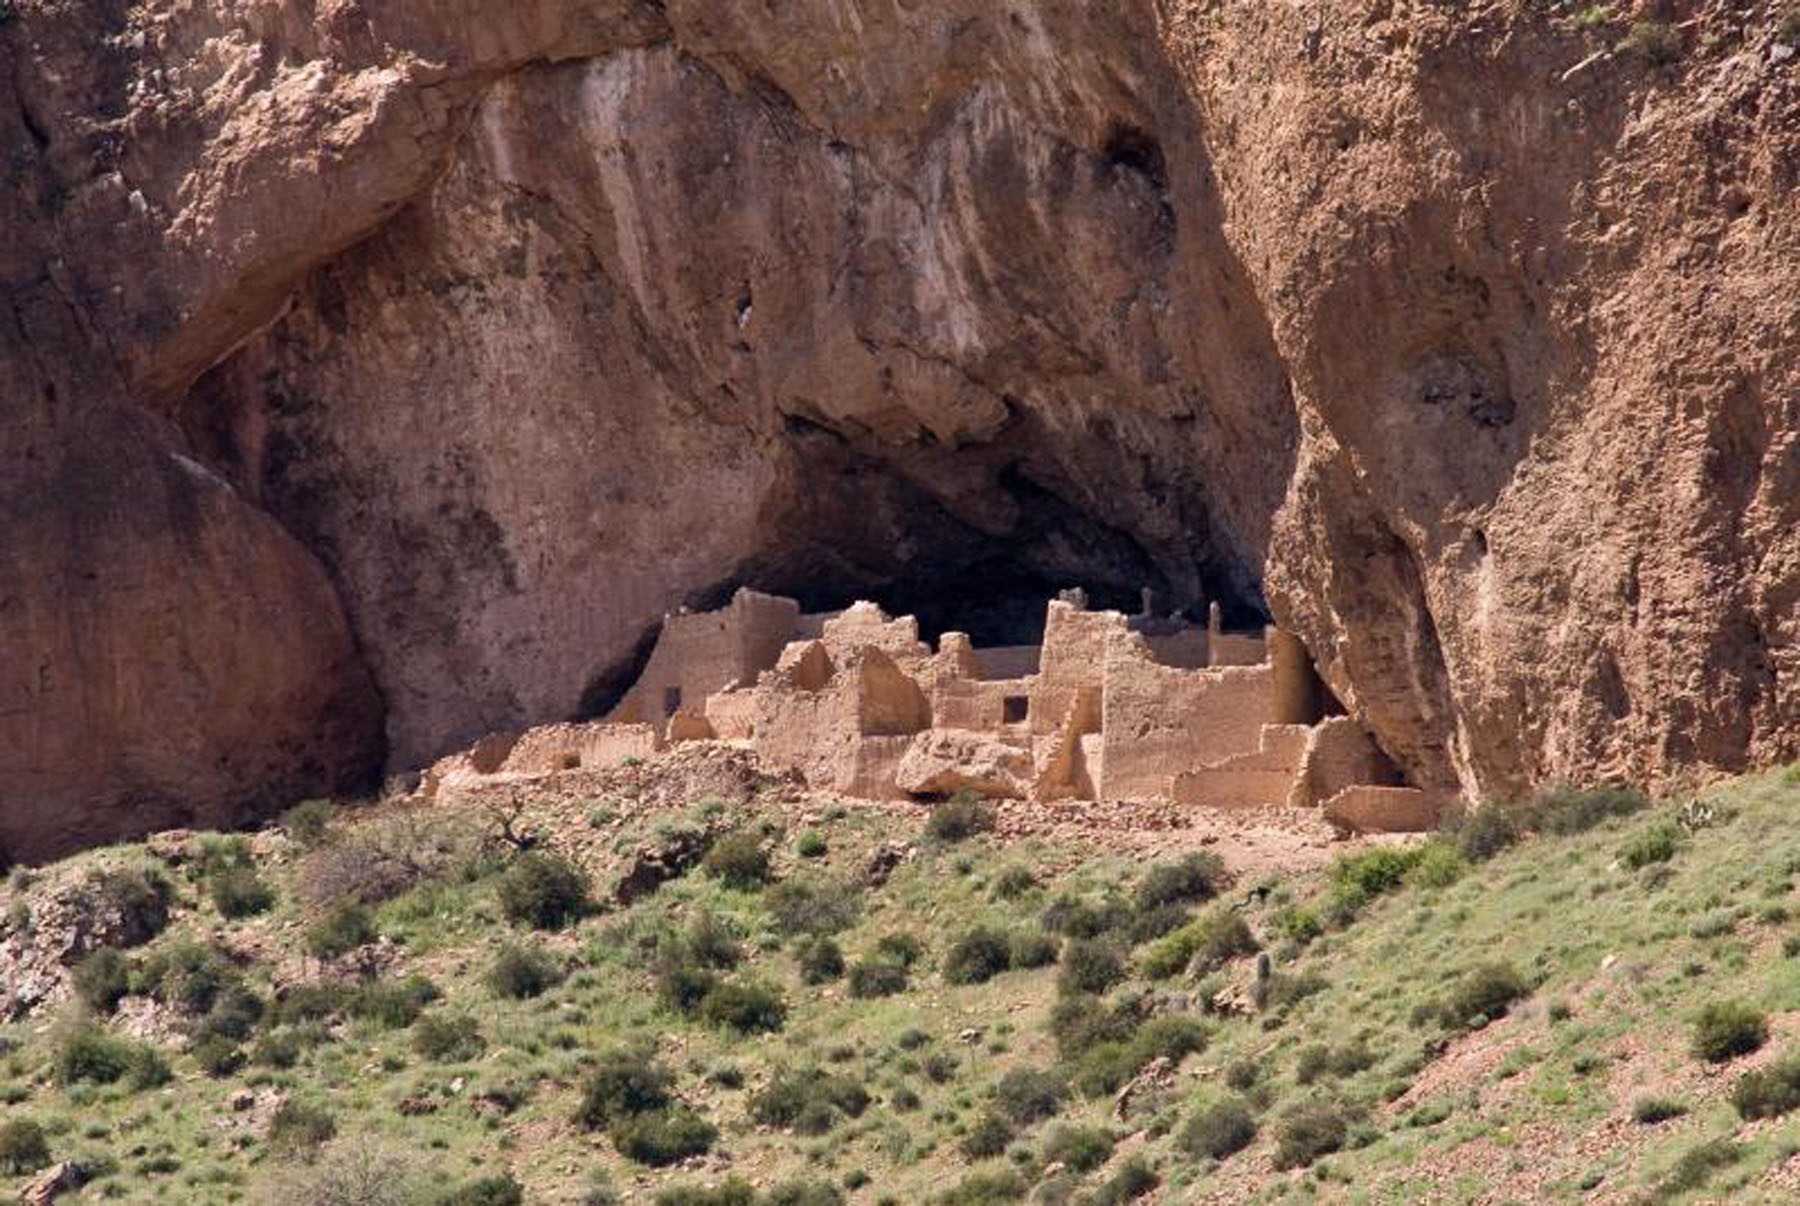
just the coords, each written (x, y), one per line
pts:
(487, 333)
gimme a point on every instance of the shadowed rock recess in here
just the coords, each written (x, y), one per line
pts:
(377, 375)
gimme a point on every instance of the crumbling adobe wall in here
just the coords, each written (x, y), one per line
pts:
(1158, 722)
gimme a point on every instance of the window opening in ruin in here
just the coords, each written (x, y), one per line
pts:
(671, 700)
(1016, 709)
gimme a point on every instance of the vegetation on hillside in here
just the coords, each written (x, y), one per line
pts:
(394, 1007)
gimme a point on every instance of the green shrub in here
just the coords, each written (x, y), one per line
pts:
(1026, 1095)
(1768, 1092)
(523, 972)
(1169, 1036)
(1319, 1060)
(1075, 917)
(1698, 1165)
(711, 943)
(501, 1190)
(1655, 42)
(1484, 993)
(240, 892)
(1029, 949)
(1648, 1110)
(745, 1008)
(812, 844)
(1439, 865)
(1481, 833)
(803, 1193)
(297, 1130)
(808, 1100)
(217, 1056)
(1563, 810)
(811, 904)
(959, 818)
(1219, 1131)
(235, 1012)
(663, 1137)
(901, 947)
(1014, 882)
(1082, 1022)
(1134, 1179)
(146, 1068)
(1724, 1030)
(1204, 944)
(342, 929)
(138, 897)
(988, 1137)
(1149, 924)
(1082, 1148)
(1089, 966)
(23, 1147)
(877, 977)
(1788, 32)
(739, 861)
(734, 1192)
(977, 956)
(820, 960)
(1193, 877)
(395, 1004)
(1302, 925)
(984, 1189)
(309, 822)
(624, 1082)
(279, 1049)
(1357, 879)
(1308, 1131)
(88, 1053)
(102, 979)
(545, 891)
(448, 1038)
(1657, 844)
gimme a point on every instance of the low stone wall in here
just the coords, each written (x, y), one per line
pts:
(1339, 755)
(1366, 809)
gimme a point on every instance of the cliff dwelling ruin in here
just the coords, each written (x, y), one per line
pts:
(1107, 708)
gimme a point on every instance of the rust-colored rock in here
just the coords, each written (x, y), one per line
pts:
(381, 375)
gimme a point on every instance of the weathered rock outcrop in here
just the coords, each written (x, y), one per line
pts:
(378, 375)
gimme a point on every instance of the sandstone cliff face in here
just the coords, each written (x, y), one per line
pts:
(380, 374)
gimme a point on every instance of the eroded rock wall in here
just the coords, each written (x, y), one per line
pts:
(409, 361)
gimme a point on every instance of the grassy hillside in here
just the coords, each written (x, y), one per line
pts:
(851, 1004)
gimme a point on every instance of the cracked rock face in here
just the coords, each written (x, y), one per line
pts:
(379, 375)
